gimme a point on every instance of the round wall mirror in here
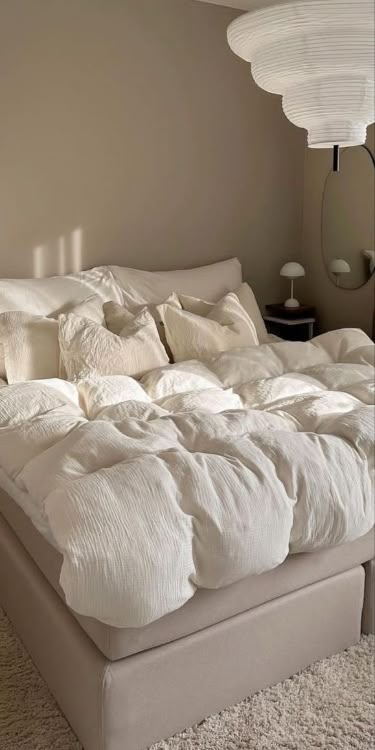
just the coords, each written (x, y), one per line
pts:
(348, 219)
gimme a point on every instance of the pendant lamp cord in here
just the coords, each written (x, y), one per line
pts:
(336, 158)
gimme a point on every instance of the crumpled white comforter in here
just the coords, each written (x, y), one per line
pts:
(197, 476)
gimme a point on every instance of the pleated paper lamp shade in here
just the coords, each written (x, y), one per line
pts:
(319, 55)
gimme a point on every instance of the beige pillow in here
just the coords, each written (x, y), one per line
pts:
(248, 301)
(87, 348)
(209, 282)
(2, 362)
(31, 345)
(191, 336)
(117, 317)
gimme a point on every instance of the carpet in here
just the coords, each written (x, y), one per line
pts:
(330, 706)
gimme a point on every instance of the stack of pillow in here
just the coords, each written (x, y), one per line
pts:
(120, 321)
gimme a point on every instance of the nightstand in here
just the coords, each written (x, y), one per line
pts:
(292, 324)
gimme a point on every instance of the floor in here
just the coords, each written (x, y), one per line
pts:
(330, 706)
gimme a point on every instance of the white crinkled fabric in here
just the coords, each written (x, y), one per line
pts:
(196, 476)
(87, 348)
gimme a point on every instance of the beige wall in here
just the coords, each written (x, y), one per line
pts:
(337, 307)
(131, 134)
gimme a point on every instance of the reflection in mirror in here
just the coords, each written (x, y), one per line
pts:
(348, 219)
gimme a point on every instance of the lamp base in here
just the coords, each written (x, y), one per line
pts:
(291, 302)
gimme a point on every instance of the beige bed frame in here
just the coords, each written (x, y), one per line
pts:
(135, 701)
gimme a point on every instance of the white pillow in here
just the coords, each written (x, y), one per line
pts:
(31, 345)
(87, 348)
(209, 282)
(248, 301)
(56, 294)
(191, 336)
(117, 316)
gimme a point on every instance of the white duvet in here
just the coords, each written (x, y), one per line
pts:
(197, 476)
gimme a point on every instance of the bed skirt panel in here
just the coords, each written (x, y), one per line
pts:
(143, 698)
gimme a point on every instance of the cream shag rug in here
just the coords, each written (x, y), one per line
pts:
(329, 705)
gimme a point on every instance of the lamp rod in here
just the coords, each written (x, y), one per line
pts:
(336, 158)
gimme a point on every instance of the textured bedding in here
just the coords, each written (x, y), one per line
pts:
(196, 476)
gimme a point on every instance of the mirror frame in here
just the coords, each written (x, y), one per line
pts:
(322, 248)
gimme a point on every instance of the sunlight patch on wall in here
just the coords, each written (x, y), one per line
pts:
(76, 250)
(59, 256)
(38, 253)
(62, 256)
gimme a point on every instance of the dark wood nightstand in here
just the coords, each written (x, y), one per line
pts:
(291, 323)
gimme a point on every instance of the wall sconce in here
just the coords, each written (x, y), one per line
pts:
(337, 267)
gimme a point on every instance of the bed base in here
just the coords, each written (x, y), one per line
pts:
(144, 698)
(368, 615)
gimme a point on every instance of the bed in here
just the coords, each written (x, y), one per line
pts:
(248, 489)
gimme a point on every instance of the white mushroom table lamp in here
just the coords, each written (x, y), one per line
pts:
(292, 271)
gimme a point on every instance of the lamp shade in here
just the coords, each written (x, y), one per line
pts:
(339, 265)
(292, 270)
(319, 55)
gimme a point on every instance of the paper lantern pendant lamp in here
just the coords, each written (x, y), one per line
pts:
(319, 55)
